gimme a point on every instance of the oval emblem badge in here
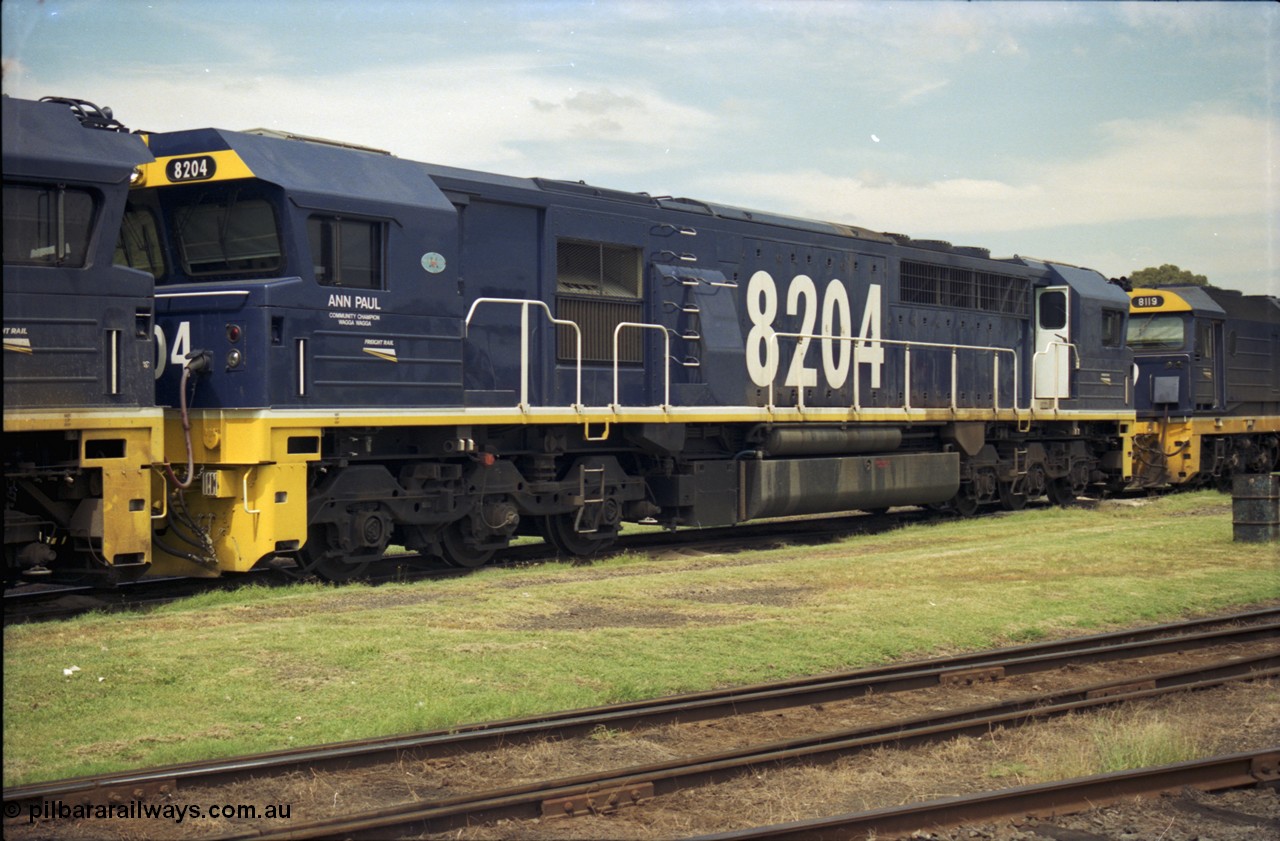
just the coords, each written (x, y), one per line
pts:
(433, 262)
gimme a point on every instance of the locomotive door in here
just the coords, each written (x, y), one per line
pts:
(1051, 372)
(1205, 382)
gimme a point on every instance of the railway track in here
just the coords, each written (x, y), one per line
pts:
(1236, 770)
(605, 791)
(595, 794)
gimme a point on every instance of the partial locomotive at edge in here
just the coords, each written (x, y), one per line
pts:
(223, 348)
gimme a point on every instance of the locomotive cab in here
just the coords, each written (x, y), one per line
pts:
(1079, 357)
(279, 266)
(275, 298)
(1177, 339)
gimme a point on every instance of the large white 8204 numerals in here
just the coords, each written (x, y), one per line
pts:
(836, 329)
(802, 287)
(835, 355)
(762, 308)
(181, 347)
(871, 353)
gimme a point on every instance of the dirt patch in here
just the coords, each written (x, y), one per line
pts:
(772, 596)
(590, 616)
(582, 617)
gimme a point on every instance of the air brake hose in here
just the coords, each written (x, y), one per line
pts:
(196, 361)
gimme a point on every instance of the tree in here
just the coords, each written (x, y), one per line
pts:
(1166, 275)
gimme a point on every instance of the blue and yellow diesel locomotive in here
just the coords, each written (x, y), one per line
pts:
(358, 350)
(81, 426)
(1208, 384)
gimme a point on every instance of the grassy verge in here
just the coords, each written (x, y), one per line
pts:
(262, 669)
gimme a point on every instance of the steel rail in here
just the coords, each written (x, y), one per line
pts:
(1046, 799)
(957, 670)
(607, 791)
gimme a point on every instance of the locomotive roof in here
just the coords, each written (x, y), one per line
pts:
(321, 167)
(1087, 282)
(1192, 299)
(46, 140)
(1265, 308)
(305, 169)
(1208, 301)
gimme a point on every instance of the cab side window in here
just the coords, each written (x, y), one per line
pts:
(1112, 328)
(1205, 338)
(47, 225)
(1053, 310)
(346, 252)
(139, 244)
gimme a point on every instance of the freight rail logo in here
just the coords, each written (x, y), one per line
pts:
(381, 348)
(16, 340)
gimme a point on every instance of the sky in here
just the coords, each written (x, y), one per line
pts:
(1110, 135)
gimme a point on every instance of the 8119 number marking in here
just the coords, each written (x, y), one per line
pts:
(200, 168)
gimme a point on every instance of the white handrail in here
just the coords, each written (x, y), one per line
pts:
(666, 358)
(525, 303)
(859, 341)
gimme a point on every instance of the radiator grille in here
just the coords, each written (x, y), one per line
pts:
(598, 287)
(597, 318)
(955, 287)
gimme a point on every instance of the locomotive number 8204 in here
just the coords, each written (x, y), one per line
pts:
(835, 335)
(200, 168)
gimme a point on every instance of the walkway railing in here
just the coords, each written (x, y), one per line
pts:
(859, 342)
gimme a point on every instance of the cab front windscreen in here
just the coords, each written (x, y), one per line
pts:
(1156, 332)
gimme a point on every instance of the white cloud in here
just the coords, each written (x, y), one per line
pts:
(923, 89)
(514, 119)
(1205, 164)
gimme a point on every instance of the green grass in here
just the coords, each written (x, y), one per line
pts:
(261, 668)
(1118, 740)
(1151, 743)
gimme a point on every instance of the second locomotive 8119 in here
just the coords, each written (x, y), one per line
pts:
(358, 350)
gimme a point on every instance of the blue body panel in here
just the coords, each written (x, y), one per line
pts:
(495, 237)
(79, 333)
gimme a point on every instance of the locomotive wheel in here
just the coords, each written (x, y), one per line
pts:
(1060, 492)
(561, 532)
(1009, 500)
(332, 566)
(964, 503)
(339, 570)
(322, 558)
(459, 553)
